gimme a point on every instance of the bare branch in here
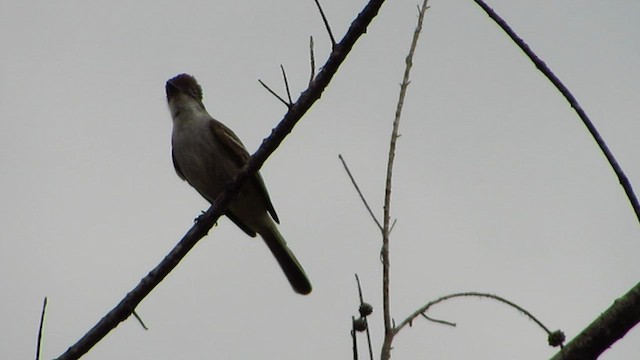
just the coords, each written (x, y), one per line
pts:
(126, 306)
(622, 178)
(424, 308)
(40, 328)
(286, 85)
(355, 185)
(444, 322)
(288, 105)
(388, 326)
(326, 24)
(312, 60)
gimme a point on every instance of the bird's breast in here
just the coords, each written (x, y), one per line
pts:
(199, 155)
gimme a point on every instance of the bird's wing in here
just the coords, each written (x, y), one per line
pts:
(240, 155)
(175, 165)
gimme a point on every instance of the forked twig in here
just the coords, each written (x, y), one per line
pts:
(140, 320)
(422, 310)
(274, 94)
(289, 103)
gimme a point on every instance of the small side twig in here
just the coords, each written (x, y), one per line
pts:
(40, 328)
(355, 185)
(312, 60)
(140, 320)
(274, 94)
(326, 24)
(444, 322)
(286, 85)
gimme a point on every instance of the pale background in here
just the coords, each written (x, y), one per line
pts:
(498, 186)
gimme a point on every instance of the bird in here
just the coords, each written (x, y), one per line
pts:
(208, 155)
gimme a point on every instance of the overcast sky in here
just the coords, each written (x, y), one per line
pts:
(498, 186)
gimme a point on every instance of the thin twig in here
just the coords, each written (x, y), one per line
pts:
(355, 185)
(326, 24)
(126, 306)
(312, 60)
(388, 325)
(359, 289)
(437, 320)
(354, 338)
(622, 178)
(286, 84)
(274, 94)
(393, 224)
(422, 310)
(140, 320)
(40, 328)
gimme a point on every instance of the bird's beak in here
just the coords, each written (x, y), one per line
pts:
(171, 89)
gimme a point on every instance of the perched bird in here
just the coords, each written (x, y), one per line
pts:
(208, 155)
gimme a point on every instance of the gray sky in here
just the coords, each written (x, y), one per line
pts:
(498, 186)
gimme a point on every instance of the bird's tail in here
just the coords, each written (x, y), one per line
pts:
(287, 261)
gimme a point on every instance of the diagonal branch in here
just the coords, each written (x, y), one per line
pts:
(610, 326)
(326, 24)
(126, 306)
(364, 200)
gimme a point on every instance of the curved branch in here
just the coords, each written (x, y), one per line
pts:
(426, 307)
(622, 178)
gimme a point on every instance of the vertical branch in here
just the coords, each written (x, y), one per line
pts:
(389, 330)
